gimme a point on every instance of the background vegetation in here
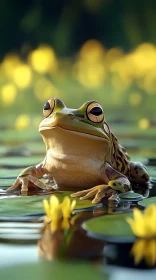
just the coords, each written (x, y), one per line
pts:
(77, 51)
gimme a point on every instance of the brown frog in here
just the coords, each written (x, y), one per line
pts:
(81, 154)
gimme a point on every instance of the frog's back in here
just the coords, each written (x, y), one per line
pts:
(120, 160)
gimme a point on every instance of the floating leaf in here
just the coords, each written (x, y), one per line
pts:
(131, 196)
(20, 161)
(110, 227)
(3, 149)
(6, 182)
(37, 147)
(32, 205)
(146, 202)
(57, 269)
(6, 173)
(11, 136)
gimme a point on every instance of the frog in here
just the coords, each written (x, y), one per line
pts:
(82, 155)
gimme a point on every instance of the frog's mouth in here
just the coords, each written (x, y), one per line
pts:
(87, 130)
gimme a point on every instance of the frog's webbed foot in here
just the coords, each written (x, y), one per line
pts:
(97, 192)
(120, 184)
(23, 182)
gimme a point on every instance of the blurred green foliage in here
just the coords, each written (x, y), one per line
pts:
(66, 25)
(77, 51)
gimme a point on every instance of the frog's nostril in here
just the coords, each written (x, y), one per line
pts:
(71, 116)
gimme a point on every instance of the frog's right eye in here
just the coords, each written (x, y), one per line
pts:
(48, 107)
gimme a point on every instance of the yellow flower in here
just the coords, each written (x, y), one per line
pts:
(144, 227)
(144, 224)
(58, 214)
(144, 249)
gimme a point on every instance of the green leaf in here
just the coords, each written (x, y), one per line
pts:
(5, 172)
(146, 202)
(20, 161)
(13, 135)
(32, 205)
(37, 147)
(131, 196)
(110, 227)
(59, 270)
(6, 182)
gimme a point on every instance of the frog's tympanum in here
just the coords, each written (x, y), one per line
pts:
(82, 154)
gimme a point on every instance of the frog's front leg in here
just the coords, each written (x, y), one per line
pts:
(30, 175)
(115, 182)
(138, 172)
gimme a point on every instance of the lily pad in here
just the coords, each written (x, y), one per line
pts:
(3, 149)
(33, 205)
(6, 182)
(6, 173)
(37, 147)
(60, 271)
(131, 196)
(10, 136)
(146, 202)
(20, 161)
(110, 228)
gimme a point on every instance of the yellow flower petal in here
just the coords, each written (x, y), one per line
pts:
(66, 207)
(138, 250)
(136, 228)
(54, 225)
(140, 227)
(54, 201)
(138, 216)
(65, 224)
(58, 213)
(73, 205)
(150, 252)
(46, 207)
(150, 220)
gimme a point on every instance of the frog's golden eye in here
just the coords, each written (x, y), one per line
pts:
(48, 107)
(95, 112)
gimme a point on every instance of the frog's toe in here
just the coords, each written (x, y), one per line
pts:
(38, 183)
(14, 185)
(89, 194)
(81, 193)
(24, 187)
(114, 197)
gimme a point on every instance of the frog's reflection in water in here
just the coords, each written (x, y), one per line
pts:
(72, 244)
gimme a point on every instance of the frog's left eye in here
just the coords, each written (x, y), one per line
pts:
(95, 113)
(48, 107)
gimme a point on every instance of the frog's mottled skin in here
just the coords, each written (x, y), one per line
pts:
(81, 154)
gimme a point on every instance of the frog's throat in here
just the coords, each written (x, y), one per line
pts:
(45, 131)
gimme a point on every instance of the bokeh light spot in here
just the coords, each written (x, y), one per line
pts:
(22, 122)
(22, 76)
(8, 93)
(43, 60)
(144, 123)
(10, 62)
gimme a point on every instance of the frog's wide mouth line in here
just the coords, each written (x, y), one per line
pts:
(102, 136)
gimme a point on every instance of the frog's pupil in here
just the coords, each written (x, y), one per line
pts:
(46, 106)
(97, 111)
